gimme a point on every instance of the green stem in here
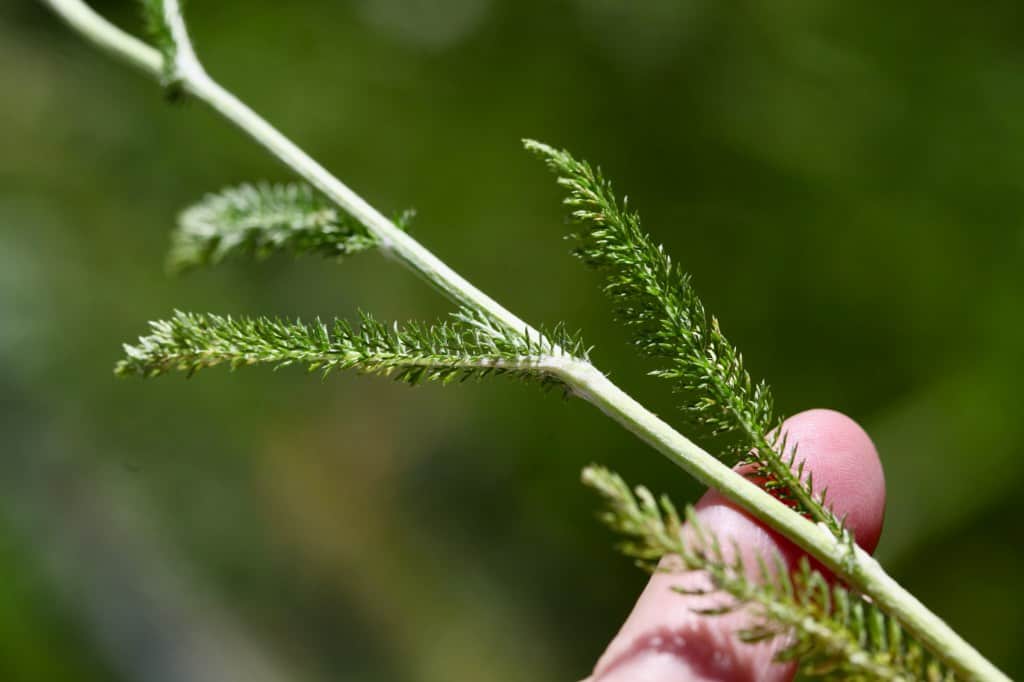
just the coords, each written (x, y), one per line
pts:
(853, 565)
(856, 567)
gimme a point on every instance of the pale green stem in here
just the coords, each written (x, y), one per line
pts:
(858, 569)
(855, 566)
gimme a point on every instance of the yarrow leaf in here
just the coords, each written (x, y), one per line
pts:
(160, 33)
(467, 347)
(659, 305)
(833, 633)
(258, 220)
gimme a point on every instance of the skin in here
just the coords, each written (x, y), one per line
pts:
(662, 640)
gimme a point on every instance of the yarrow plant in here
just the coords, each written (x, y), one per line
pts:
(864, 626)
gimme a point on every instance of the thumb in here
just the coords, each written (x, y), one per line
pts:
(663, 640)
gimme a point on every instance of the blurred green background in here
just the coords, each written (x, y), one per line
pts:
(844, 180)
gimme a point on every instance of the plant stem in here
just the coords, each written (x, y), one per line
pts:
(849, 562)
(856, 567)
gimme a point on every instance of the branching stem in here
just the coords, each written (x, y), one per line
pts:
(853, 565)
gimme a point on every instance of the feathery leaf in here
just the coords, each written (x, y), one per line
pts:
(659, 305)
(833, 633)
(160, 34)
(258, 220)
(469, 347)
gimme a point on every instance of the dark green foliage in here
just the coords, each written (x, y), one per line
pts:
(160, 35)
(835, 171)
(655, 300)
(833, 633)
(257, 220)
(468, 347)
(659, 305)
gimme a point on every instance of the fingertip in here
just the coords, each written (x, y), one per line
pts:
(845, 465)
(844, 461)
(663, 639)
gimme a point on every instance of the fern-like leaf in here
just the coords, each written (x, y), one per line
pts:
(659, 305)
(257, 220)
(833, 633)
(160, 34)
(469, 347)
